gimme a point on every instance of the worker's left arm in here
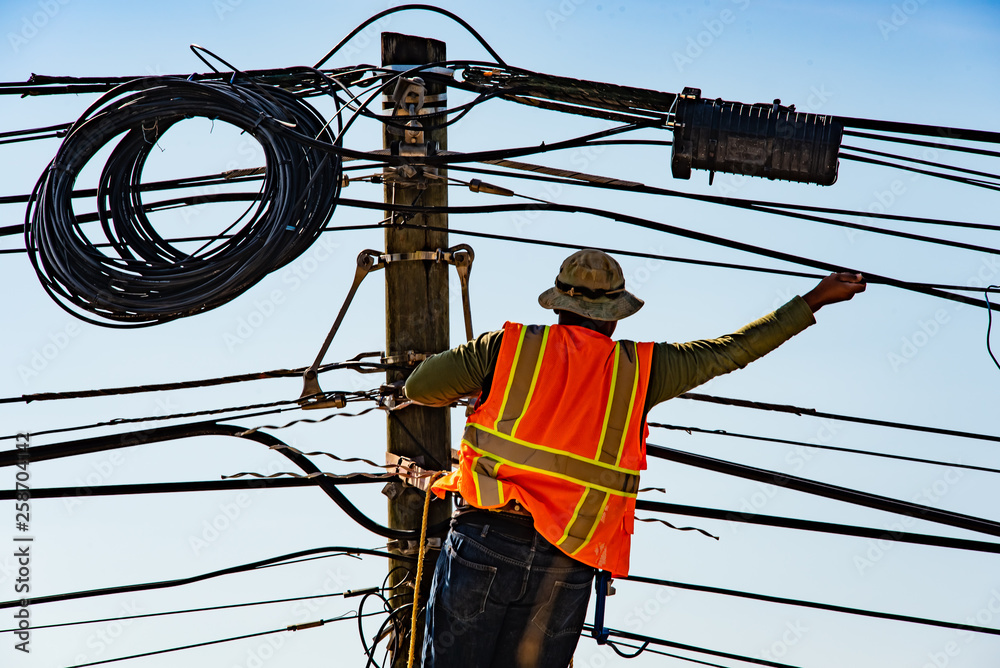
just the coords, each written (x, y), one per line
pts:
(679, 367)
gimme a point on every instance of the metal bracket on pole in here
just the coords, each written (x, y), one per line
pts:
(461, 256)
(368, 261)
(311, 396)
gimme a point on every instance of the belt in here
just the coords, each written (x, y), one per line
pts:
(510, 508)
(519, 526)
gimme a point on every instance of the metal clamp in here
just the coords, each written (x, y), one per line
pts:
(411, 473)
(367, 262)
(408, 358)
(462, 256)
(602, 585)
(411, 548)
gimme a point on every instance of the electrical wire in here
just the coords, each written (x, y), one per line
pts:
(925, 172)
(291, 404)
(357, 363)
(818, 446)
(176, 487)
(161, 434)
(891, 535)
(826, 490)
(150, 281)
(930, 163)
(812, 412)
(294, 627)
(690, 648)
(637, 221)
(243, 568)
(657, 256)
(121, 421)
(815, 606)
(147, 615)
(437, 10)
(645, 648)
(750, 204)
(918, 142)
(989, 324)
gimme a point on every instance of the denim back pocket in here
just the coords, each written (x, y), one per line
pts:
(565, 610)
(465, 584)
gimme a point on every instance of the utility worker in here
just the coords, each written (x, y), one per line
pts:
(549, 463)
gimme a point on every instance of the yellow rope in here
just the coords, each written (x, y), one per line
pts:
(420, 571)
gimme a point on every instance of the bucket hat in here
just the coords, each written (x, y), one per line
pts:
(591, 284)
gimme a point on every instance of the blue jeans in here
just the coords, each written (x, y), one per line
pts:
(503, 596)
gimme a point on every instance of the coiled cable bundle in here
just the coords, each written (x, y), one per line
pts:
(140, 278)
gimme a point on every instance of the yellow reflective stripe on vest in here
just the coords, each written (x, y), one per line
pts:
(621, 403)
(550, 461)
(621, 398)
(521, 382)
(585, 519)
(489, 493)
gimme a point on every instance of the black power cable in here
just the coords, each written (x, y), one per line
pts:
(678, 231)
(832, 448)
(243, 568)
(40, 453)
(827, 490)
(690, 648)
(989, 324)
(816, 606)
(148, 280)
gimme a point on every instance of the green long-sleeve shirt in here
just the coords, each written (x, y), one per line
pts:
(676, 367)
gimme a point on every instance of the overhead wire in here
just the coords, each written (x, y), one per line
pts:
(873, 614)
(919, 142)
(827, 490)
(409, 7)
(291, 404)
(820, 446)
(328, 485)
(964, 180)
(690, 648)
(646, 223)
(930, 163)
(357, 363)
(812, 412)
(167, 613)
(658, 256)
(645, 648)
(293, 627)
(540, 174)
(890, 535)
(237, 484)
(989, 324)
(162, 584)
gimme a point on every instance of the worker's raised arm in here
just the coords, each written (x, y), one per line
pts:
(838, 287)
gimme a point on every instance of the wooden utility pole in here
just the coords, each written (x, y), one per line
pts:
(416, 296)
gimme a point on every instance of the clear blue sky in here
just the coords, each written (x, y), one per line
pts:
(889, 354)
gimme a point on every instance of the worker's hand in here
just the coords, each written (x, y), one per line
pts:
(392, 396)
(838, 287)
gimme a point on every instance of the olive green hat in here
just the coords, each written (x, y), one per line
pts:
(591, 283)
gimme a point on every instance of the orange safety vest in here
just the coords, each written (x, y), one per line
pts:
(562, 433)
